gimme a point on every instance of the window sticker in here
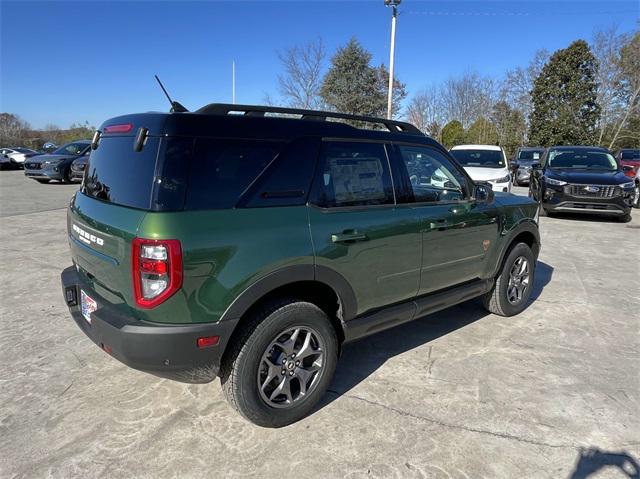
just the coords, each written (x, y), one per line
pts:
(357, 179)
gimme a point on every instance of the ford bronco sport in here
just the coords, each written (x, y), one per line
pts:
(251, 243)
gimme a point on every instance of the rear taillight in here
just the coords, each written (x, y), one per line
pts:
(157, 270)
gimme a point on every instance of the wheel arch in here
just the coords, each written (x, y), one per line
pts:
(525, 232)
(321, 286)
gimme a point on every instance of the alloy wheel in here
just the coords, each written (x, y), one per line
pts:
(518, 280)
(291, 367)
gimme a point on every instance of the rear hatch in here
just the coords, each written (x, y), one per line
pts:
(120, 186)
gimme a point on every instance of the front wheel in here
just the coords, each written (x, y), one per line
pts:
(513, 286)
(636, 199)
(281, 364)
(66, 176)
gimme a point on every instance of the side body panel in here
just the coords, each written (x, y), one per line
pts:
(457, 240)
(225, 252)
(384, 267)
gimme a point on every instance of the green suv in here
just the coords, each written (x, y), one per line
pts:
(251, 243)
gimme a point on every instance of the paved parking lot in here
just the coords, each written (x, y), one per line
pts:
(551, 393)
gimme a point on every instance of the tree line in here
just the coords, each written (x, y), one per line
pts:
(587, 93)
(16, 132)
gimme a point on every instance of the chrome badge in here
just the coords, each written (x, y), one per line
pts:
(87, 237)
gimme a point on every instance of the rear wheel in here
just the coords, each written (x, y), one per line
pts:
(281, 364)
(512, 289)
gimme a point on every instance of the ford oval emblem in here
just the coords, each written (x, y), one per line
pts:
(592, 189)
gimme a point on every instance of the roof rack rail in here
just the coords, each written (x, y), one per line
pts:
(317, 115)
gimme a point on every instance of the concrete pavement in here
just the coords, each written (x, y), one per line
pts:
(551, 393)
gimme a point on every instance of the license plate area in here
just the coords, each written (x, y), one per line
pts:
(87, 305)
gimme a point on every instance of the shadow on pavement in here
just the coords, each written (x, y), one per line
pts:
(362, 358)
(592, 460)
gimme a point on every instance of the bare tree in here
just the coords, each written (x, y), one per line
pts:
(468, 97)
(606, 47)
(12, 129)
(300, 83)
(628, 86)
(425, 111)
(518, 83)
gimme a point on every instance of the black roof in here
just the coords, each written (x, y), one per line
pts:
(270, 123)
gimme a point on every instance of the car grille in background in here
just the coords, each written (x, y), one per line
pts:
(34, 166)
(593, 191)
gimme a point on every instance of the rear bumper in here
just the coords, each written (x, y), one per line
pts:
(168, 351)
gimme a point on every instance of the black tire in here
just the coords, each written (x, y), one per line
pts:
(636, 202)
(39, 180)
(66, 176)
(497, 300)
(240, 369)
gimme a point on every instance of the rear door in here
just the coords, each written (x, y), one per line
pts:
(457, 232)
(356, 228)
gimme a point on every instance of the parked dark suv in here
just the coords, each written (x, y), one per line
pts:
(234, 242)
(56, 165)
(582, 179)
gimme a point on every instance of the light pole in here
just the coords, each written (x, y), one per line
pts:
(394, 5)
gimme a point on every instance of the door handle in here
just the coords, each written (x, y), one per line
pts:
(443, 224)
(348, 237)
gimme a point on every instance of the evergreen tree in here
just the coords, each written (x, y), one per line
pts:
(353, 86)
(565, 110)
(452, 134)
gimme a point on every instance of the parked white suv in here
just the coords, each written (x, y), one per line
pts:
(485, 163)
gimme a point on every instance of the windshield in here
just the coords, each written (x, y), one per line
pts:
(631, 154)
(71, 149)
(582, 159)
(530, 155)
(479, 158)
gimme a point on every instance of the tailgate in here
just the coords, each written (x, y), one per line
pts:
(100, 236)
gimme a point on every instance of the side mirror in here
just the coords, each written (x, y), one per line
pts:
(483, 192)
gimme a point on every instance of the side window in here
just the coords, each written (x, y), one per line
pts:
(431, 176)
(286, 182)
(354, 174)
(221, 170)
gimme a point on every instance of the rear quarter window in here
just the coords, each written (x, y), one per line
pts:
(222, 170)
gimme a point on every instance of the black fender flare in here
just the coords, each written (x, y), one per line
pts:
(525, 226)
(293, 274)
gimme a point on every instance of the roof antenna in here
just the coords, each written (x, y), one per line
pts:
(175, 106)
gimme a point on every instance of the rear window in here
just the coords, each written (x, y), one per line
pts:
(631, 154)
(117, 174)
